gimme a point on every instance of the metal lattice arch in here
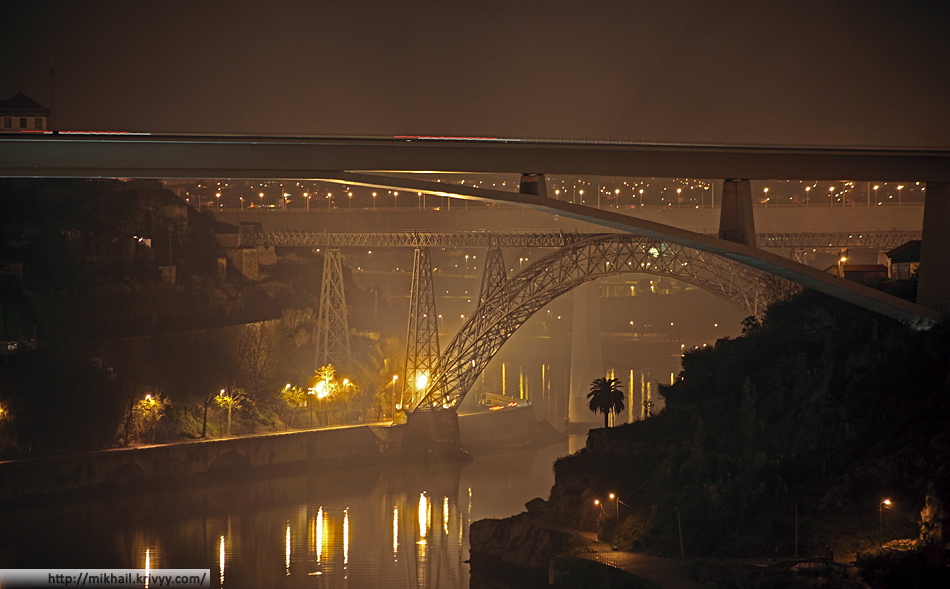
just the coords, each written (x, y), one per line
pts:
(498, 317)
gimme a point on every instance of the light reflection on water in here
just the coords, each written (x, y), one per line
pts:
(392, 526)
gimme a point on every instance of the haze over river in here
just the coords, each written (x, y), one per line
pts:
(391, 526)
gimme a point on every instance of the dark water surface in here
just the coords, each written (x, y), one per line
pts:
(391, 526)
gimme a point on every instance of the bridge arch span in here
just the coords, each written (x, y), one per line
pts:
(497, 318)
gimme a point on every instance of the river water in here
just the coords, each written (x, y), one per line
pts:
(401, 526)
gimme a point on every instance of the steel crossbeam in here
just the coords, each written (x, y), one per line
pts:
(878, 239)
(416, 239)
(496, 319)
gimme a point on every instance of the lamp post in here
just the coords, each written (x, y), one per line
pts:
(899, 188)
(306, 195)
(613, 496)
(807, 190)
(393, 385)
(374, 201)
(886, 504)
(876, 186)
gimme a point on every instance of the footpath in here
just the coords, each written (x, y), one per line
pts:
(664, 572)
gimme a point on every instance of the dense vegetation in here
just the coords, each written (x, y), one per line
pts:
(821, 409)
(85, 273)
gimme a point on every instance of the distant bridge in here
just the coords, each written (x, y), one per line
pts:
(544, 239)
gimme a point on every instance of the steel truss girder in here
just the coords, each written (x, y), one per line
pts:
(422, 338)
(483, 335)
(480, 239)
(879, 239)
(333, 333)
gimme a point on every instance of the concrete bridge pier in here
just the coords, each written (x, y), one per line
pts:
(533, 184)
(933, 288)
(736, 223)
(587, 356)
(433, 434)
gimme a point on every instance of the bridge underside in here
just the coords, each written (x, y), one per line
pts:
(855, 293)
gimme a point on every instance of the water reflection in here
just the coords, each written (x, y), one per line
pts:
(394, 526)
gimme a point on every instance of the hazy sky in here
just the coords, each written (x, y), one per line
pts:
(840, 72)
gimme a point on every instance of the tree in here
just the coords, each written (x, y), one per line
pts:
(229, 401)
(147, 413)
(296, 398)
(605, 397)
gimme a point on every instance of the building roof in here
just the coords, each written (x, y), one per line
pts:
(906, 253)
(21, 104)
(865, 268)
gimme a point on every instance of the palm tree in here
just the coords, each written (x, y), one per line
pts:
(605, 397)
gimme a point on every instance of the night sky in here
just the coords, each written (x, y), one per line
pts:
(805, 72)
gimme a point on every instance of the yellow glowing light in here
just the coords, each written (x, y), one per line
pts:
(322, 389)
(395, 531)
(221, 562)
(148, 566)
(421, 381)
(319, 534)
(346, 536)
(445, 515)
(287, 550)
(423, 517)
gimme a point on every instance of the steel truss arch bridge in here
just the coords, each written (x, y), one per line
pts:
(509, 305)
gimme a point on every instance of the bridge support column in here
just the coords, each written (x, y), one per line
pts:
(933, 288)
(333, 331)
(587, 356)
(422, 337)
(533, 184)
(433, 434)
(736, 223)
(494, 275)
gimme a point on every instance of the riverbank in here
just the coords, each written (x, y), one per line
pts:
(120, 470)
(821, 431)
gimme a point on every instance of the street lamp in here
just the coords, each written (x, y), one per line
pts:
(374, 201)
(612, 496)
(899, 188)
(395, 406)
(807, 190)
(306, 195)
(886, 504)
(876, 186)
(262, 199)
(242, 203)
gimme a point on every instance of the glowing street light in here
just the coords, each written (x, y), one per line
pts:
(396, 405)
(886, 504)
(899, 188)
